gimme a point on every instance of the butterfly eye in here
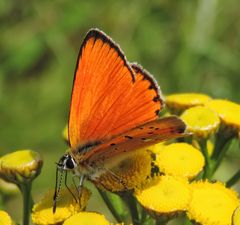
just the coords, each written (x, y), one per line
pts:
(70, 163)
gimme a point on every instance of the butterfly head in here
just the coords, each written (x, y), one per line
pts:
(66, 163)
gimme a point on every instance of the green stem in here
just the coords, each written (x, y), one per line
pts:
(233, 179)
(223, 136)
(1, 201)
(208, 167)
(27, 201)
(144, 216)
(222, 153)
(187, 222)
(110, 206)
(132, 205)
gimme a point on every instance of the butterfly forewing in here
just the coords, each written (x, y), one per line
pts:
(142, 136)
(107, 98)
(144, 102)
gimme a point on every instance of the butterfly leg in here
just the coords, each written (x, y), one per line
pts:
(79, 188)
(74, 181)
(81, 181)
(68, 187)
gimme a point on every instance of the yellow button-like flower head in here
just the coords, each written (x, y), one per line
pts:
(180, 159)
(179, 102)
(126, 172)
(87, 218)
(228, 111)
(157, 147)
(212, 203)
(66, 207)
(201, 121)
(5, 219)
(165, 196)
(20, 165)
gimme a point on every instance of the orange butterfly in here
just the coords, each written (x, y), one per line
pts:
(114, 109)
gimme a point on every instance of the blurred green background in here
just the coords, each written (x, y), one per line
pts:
(190, 46)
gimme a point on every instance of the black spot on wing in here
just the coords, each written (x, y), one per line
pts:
(151, 86)
(128, 137)
(156, 99)
(181, 129)
(178, 130)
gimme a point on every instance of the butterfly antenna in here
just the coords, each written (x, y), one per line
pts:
(58, 185)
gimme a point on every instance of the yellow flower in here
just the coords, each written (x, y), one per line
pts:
(201, 121)
(5, 218)
(165, 196)
(67, 206)
(236, 216)
(179, 102)
(157, 147)
(126, 172)
(86, 218)
(20, 165)
(180, 159)
(228, 111)
(212, 203)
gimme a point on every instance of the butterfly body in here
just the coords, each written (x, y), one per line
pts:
(114, 109)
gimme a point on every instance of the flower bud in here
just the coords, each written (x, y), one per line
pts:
(20, 166)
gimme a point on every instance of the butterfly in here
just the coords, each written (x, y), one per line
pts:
(114, 109)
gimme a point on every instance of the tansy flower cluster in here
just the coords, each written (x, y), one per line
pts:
(169, 181)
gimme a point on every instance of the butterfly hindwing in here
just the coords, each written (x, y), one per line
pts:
(142, 136)
(109, 96)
